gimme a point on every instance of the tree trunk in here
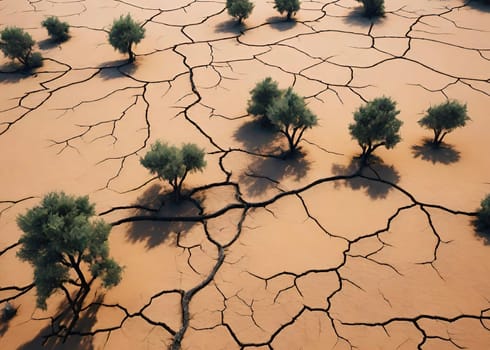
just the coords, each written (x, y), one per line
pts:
(131, 53)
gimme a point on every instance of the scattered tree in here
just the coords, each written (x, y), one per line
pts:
(15, 43)
(174, 164)
(483, 214)
(262, 96)
(239, 9)
(56, 29)
(66, 248)
(444, 118)
(288, 6)
(376, 125)
(373, 8)
(291, 117)
(124, 33)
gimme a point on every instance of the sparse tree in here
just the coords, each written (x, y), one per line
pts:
(444, 118)
(373, 8)
(124, 33)
(483, 214)
(290, 115)
(288, 6)
(239, 9)
(376, 125)
(15, 43)
(56, 29)
(262, 96)
(173, 164)
(67, 249)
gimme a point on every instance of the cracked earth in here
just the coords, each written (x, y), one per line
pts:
(307, 253)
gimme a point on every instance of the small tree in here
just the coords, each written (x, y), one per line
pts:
(56, 29)
(262, 96)
(483, 214)
(291, 117)
(15, 43)
(239, 9)
(173, 164)
(66, 248)
(444, 118)
(124, 33)
(373, 8)
(288, 6)
(376, 125)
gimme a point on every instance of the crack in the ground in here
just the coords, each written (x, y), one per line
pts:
(195, 98)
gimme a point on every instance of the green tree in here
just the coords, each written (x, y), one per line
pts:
(15, 43)
(67, 249)
(262, 96)
(444, 118)
(56, 29)
(239, 9)
(483, 214)
(124, 33)
(373, 8)
(288, 6)
(173, 164)
(291, 117)
(376, 125)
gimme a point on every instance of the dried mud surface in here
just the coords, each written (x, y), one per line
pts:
(306, 253)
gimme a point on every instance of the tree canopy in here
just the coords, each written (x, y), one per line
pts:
(288, 6)
(262, 96)
(173, 164)
(124, 33)
(66, 249)
(373, 8)
(290, 115)
(375, 124)
(444, 118)
(56, 29)
(15, 43)
(239, 9)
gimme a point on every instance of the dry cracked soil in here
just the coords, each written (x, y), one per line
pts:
(264, 253)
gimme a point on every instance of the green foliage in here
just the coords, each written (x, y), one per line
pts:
(376, 125)
(483, 214)
(262, 96)
(56, 29)
(444, 118)
(59, 239)
(239, 9)
(288, 6)
(173, 164)
(124, 33)
(291, 117)
(15, 43)
(373, 8)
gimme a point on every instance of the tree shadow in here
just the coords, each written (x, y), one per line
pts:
(47, 338)
(356, 17)
(256, 135)
(374, 169)
(443, 153)
(117, 69)
(231, 26)
(153, 203)
(268, 172)
(48, 44)
(482, 231)
(281, 23)
(480, 5)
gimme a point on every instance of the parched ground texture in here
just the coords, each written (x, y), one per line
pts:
(265, 253)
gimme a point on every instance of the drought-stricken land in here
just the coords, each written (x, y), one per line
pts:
(264, 253)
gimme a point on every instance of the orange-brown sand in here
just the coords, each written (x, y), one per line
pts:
(303, 261)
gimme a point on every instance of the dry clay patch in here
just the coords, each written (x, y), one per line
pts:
(309, 253)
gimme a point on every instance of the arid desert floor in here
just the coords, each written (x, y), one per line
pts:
(265, 253)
